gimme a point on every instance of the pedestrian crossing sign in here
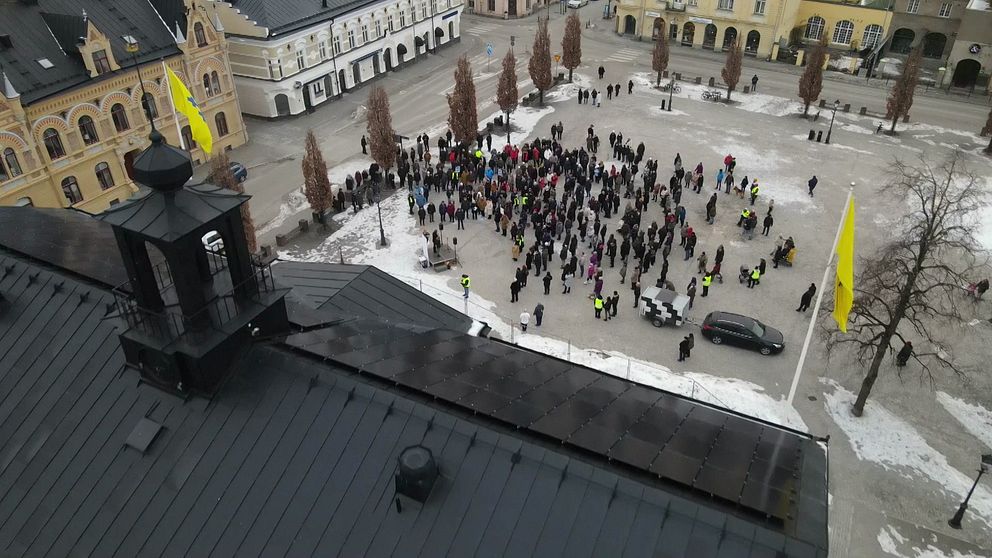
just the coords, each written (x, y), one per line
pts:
(489, 49)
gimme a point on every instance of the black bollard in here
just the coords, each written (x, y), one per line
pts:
(812, 135)
(819, 136)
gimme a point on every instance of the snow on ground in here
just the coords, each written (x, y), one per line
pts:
(568, 91)
(983, 232)
(887, 440)
(891, 541)
(296, 202)
(975, 418)
(761, 163)
(752, 102)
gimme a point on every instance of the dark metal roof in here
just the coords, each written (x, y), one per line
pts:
(284, 16)
(67, 239)
(172, 215)
(49, 28)
(294, 457)
(365, 291)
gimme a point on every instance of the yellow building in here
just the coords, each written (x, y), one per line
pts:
(762, 26)
(72, 111)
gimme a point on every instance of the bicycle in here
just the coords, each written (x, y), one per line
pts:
(712, 95)
(675, 88)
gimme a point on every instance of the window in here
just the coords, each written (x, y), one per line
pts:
(402, 18)
(201, 37)
(945, 10)
(389, 22)
(104, 177)
(275, 69)
(843, 33)
(814, 28)
(188, 140)
(208, 90)
(301, 59)
(378, 28)
(336, 45)
(149, 106)
(492, 5)
(221, 121)
(759, 7)
(913, 6)
(433, 6)
(351, 38)
(873, 34)
(71, 190)
(87, 129)
(10, 159)
(119, 115)
(423, 10)
(53, 144)
(101, 62)
(3, 173)
(365, 34)
(215, 82)
(318, 88)
(692, 2)
(725, 5)
(322, 47)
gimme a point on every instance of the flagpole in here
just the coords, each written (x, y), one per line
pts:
(819, 299)
(175, 115)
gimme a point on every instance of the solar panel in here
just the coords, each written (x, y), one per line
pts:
(544, 398)
(451, 390)
(677, 466)
(485, 401)
(520, 413)
(720, 482)
(634, 452)
(765, 499)
(509, 387)
(594, 438)
(566, 419)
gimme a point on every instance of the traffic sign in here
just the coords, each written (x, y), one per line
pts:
(489, 49)
(557, 58)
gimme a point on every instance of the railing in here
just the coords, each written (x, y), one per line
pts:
(163, 276)
(172, 325)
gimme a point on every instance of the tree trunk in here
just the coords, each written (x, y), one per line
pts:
(658, 84)
(570, 74)
(729, 89)
(806, 109)
(507, 127)
(895, 119)
(989, 148)
(872, 375)
(540, 93)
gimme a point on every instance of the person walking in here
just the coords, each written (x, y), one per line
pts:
(602, 72)
(707, 281)
(754, 278)
(630, 86)
(567, 281)
(514, 291)
(524, 321)
(623, 271)
(812, 185)
(365, 145)
(598, 304)
(766, 225)
(609, 92)
(547, 286)
(636, 285)
(684, 348)
(466, 282)
(754, 190)
(806, 298)
(538, 314)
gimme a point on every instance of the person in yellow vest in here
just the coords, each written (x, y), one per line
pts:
(707, 281)
(745, 213)
(754, 191)
(466, 284)
(754, 278)
(598, 305)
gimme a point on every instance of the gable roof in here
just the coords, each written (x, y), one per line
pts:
(49, 29)
(286, 16)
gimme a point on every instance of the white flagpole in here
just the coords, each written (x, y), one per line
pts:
(819, 300)
(175, 115)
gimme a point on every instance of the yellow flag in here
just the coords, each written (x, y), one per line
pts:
(844, 281)
(186, 105)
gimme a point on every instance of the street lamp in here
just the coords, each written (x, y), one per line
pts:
(833, 115)
(382, 232)
(671, 89)
(131, 47)
(955, 522)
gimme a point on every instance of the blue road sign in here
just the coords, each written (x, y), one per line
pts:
(489, 49)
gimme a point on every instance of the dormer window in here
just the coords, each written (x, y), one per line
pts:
(201, 37)
(101, 62)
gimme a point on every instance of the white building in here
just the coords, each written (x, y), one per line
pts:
(288, 56)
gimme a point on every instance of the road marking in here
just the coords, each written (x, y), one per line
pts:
(624, 55)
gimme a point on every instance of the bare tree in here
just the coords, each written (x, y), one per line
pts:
(731, 72)
(506, 92)
(571, 43)
(316, 184)
(811, 82)
(382, 142)
(916, 277)
(901, 96)
(463, 117)
(539, 65)
(659, 57)
(987, 131)
(220, 171)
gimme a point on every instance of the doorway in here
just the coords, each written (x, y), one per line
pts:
(387, 57)
(342, 84)
(282, 105)
(511, 8)
(629, 25)
(966, 73)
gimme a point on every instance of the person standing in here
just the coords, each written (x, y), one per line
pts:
(684, 348)
(609, 91)
(806, 298)
(598, 304)
(753, 279)
(514, 290)
(547, 287)
(636, 285)
(707, 281)
(630, 86)
(703, 260)
(615, 304)
(690, 291)
(602, 72)
(567, 281)
(466, 284)
(524, 321)
(365, 145)
(623, 271)
(766, 225)
(754, 190)
(812, 185)
(754, 83)
(538, 314)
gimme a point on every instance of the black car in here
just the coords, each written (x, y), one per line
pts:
(743, 331)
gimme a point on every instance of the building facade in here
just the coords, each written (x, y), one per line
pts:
(969, 61)
(931, 24)
(289, 61)
(508, 9)
(73, 113)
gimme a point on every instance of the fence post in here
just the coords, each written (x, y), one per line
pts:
(628, 368)
(421, 285)
(693, 388)
(569, 341)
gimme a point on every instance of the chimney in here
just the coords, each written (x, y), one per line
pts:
(416, 473)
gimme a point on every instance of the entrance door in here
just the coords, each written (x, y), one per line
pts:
(329, 86)
(356, 71)
(376, 69)
(129, 163)
(388, 59)
(629, 25)
(282, 105)
(342, 84)
(307, 100)
(966, 73)
(511, 8)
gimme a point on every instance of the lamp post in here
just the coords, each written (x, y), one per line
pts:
(132, 47)
(671, 90)
(955, 522)
(382, 232)
(833, 115)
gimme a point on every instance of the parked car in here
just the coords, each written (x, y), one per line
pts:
(743, 331)
(577, 3)
(238, 170)
(213, 242)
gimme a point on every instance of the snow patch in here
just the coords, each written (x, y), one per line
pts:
(892, 542)
(296, 202)
(974, 418)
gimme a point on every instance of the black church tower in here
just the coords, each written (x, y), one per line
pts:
(190, 311)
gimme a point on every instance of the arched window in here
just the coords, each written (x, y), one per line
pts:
(53, 143)
(215, 83)
(149, 106)
(87, 129)
(188, 140)
(119, 115)
(3, 172)
(201, 37)
(814, 28)
(104, 177)
(933, 45)
(71, 190)
(10, 160)
(221, 122)
(843, 33)
(207, 88)
(873, 34)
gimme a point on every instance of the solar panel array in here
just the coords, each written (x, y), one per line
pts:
(748, 463)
